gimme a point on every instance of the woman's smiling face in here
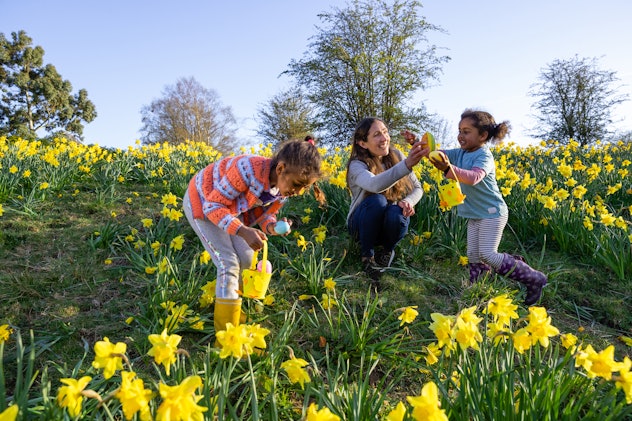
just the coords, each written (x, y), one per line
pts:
(377, 140)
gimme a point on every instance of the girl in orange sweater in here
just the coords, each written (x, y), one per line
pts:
(225, 201)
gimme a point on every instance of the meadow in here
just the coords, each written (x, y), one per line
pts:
(107, 297)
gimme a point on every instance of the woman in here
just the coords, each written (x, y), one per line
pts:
(384, 192)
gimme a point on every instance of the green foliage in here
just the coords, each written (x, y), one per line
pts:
(575, 100)
(75, 270)
(34, 95)
(286, 116)
(367, 59)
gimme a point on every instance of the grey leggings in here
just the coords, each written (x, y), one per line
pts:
(230, 253)
(483, 238)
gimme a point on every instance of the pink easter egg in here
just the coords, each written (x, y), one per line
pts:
(268, 266)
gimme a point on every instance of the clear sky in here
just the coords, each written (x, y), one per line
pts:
(124, 52)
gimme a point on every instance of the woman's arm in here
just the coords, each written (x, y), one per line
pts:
(360, 175)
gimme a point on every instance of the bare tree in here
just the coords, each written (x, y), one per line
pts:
(575, 100)
(288, 115)
(188, 111)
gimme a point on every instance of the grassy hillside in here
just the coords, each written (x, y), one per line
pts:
(93, 245)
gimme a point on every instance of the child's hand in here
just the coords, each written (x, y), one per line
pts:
(253, 237)
(409, 136)
(439, 160)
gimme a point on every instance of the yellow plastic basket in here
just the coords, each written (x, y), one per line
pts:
(450, 193)
(256, 281)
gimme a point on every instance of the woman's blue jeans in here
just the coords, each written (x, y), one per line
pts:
(376, 222)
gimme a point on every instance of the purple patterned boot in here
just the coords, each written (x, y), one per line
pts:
(479, 270)
(519, 271)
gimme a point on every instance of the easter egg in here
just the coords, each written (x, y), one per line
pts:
(437, 156)
(268, 266)
(281, 227)
(429, 140)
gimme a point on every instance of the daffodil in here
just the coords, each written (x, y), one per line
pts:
(205, 257)
(164, 347)
(624, 379)
(408, 315)
(133, 396)
(583, 357)
(258, 334)
(301, 243)
(70, 396)
(397, 414)
(427, 406)
(268, 300)
(169, 199)
(179, 403)
(324, 414)
(234, 341)
(208, 294)
(328, 302)
(466, 334)
(10, 414)
(502, 309)
(294, 367)
(329, 284)
(568, 341)
(177, 242)
(5, 332)
(109, 356)
(433, 352)
(442, 326)
(521, 340)
(540, 327)
(603, 364)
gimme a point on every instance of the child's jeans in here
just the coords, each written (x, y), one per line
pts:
(377, 222)
(230, 253)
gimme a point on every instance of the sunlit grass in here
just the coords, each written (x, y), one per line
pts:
(94, 246)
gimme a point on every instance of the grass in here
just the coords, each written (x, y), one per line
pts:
(56, 281)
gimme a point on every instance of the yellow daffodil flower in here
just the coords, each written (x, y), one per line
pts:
(294, 367)
(164, 347)
(70, 396)
(180, 402)
(109, 356)
(427, 405)
(134, 397)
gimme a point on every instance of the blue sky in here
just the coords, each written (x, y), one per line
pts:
(124, 53)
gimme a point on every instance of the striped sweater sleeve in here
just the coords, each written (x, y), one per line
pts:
(230, 187)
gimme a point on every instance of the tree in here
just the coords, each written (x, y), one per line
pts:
(34, 96)
(288, 115)
(188, 111)
(367, 60)
(574, 101)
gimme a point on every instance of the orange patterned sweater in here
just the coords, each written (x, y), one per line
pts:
(228, 193)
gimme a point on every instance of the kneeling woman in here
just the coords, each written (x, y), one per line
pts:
(384, 192)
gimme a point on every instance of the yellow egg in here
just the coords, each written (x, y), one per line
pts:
(437, 156)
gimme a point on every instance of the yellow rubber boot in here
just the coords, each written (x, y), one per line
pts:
(226, 311)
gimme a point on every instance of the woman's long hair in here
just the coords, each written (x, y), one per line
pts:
(403, 186)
